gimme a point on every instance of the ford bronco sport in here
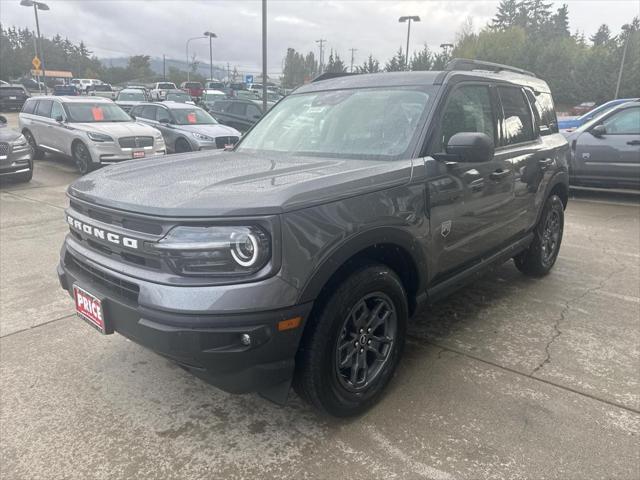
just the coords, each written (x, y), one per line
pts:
(299, 257)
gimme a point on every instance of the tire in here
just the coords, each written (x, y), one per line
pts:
(38, 153)
(182, 146)
(541, 255)
(82, 158)
(328, 337)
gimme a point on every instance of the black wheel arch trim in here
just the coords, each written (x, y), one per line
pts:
(356, 245)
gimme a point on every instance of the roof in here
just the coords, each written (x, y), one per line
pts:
(74, 99)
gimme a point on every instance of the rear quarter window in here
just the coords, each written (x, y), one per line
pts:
(29, 106)
(547, 113)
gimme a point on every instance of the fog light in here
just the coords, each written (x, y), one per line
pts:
(245, 339)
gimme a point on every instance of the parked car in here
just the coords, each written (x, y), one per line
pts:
(12, 97)
(160, 89)
(570, 124)
(84, 84)
(210, 96)
(192, 88)
(239, 114)
(301, 255)
(92, 131)
(179, 96)
(32, 85)
(130, 97)
(185, 128)
(65, 90)
(582, 108)
(605, 152)
(214, 85)
(103, 90)
(15, 154)
(2, 82)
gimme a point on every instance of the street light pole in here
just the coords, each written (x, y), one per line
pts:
(188, 69)
(38, 6)
(408, 19)
(211, 36)
(264, 56)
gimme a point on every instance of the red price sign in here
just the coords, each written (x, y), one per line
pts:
(191, 117)
(97, 113)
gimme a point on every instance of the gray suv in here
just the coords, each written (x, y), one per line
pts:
(300, 256)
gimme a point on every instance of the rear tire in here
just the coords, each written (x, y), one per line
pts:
(38, 153)
(353, 343)
(541, 255)
(82, 158)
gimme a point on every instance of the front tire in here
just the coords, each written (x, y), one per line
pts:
(541, 255)
(82, 158)
(38, 153)
(183, 146)
(353, 343)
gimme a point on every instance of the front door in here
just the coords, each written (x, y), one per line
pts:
(612, 158)
(468, 200)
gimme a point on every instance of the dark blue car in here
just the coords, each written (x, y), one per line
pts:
(65, 90)
(573, 123)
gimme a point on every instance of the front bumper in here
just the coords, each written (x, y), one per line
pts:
(106, 153)
(208, 344)
(16, 162)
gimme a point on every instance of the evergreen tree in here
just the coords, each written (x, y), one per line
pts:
(560, 22)
(602, 36)
(507, 15)
(422, 60)
(371, 65)
(335, 64)
(396, 63)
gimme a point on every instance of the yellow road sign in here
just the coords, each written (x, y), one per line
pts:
(36, 63)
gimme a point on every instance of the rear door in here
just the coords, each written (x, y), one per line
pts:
(41, 123)
(613, 158)
(469, 200)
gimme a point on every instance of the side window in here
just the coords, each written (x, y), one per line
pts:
(625, 122)
(237, 109)
(546, 110)
(517, 125)
(162, 114)
(468, 110)
(57, 111)
(220, 106)
(148, 111)
(29, 106)
(253, 111)
(44, 108)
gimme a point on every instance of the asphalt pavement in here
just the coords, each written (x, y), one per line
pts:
(511, 377)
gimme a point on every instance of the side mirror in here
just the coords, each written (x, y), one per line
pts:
(3, 119)
(471, 147)
(59, 119)
(598, 131)
(164, 121)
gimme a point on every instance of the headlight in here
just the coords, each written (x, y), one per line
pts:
(99, 137)
(211, 251)
(206, 138)
(19, 142)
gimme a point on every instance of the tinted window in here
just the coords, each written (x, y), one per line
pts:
(166, 86)
(238, 109)
(148, 111)
(517, 125)
(44, 108)
(57, 110)
(162, 114)
(625, 122)
(220, 106)
(134, 96)
(29, 106)
(468, 110)
(253, 111)
(368, 123)
(546, 111)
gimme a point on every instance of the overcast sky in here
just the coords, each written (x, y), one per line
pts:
(113, 28)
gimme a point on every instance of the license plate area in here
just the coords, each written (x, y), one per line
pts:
(90, 308)
(138, 154)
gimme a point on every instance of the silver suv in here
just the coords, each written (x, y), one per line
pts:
(93, 131)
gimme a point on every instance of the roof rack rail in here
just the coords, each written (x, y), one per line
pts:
(330, 75)
(468, 64)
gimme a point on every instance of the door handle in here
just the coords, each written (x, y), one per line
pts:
(634, 142)
(499, 175)
(546, 163)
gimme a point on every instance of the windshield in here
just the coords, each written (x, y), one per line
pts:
(11, 91)
(192, 116)
(371, 123)
(165, 86)
(102, 88)
(137, 96)
(178, 96)
(96, 112)
(212, 96)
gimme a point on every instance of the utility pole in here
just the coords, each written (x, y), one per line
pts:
(353, 50)
(264, 56)
(164, 68)
(321, 42)
(228, 72)
(624, 55)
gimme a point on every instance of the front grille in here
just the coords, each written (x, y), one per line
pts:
(135, 142)
(222, 142)
(4, 148)
(120, 288)
(128, 223)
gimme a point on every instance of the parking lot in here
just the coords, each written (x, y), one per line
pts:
(510, 377)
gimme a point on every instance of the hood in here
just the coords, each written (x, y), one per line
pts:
(118, 129)
(8, 134)
(214, 131)
(209, 184)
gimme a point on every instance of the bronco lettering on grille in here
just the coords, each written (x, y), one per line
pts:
(102, 234)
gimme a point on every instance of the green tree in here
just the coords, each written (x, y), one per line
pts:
(335, 64)
(371, 65)
(506, 16)
(396, 63)
(602, 36)
(422, 60)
